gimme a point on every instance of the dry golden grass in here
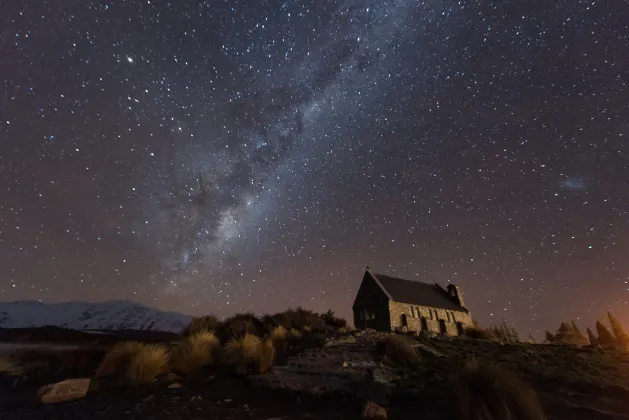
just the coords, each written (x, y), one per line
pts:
(278, 334)
(487, 392)
(133, 363)
(241, 350)
(398, 350)
(195, 352)
(266, 356)
(9, 366)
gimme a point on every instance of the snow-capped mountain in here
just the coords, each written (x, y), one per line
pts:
(112, 314)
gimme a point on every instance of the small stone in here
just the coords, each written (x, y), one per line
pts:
(174, 385)
(227, 400)
(70, 389)
(345, 364)
(374, 411)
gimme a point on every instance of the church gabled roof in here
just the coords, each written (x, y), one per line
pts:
(415, 292)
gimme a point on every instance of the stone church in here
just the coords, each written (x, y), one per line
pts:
(388, 303)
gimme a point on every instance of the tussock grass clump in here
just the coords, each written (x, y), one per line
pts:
(479, 333)
(397, 350)
(195, 352)
(266, 356)
(8, 366)
(132, 363)
(485, 391)
(278, 334)
(241, 351)
(201, 324)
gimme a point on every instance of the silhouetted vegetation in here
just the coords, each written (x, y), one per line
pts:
(487, 392)
(298, 319)
(504, 333)
(333, 321)
(239, 325)
(605, 338)
(478, 333)
(620, 335)
(200, 324)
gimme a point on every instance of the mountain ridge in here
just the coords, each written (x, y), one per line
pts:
(82, 315)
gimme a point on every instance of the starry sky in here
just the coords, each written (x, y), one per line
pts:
(224, 156)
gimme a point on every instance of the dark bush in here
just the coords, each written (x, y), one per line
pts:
(333, 321)
(479, 333)
(239, 325)
(200, 324)
(300, 319)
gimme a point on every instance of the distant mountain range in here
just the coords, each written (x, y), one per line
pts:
(110, 315)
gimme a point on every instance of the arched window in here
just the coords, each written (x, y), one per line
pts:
(448, 315)
(419, 315)
(430, 312)
(453, 318)
(412, 312)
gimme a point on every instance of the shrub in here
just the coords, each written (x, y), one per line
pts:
(605, 338)
(307, 328)
(504, 333)
(195, 352)
(242, 351)
(566, 334)
(487, 392)
(549, 337)
(199, 324)
(479, 333)
(622, 339)
(240, 325)
(295, 333)
(9, 366)
(397, 350)
(591, 337)
(343, 330)
(133, 363)
(333, 321)
(278, 334)
(296, 318)
(266, 355)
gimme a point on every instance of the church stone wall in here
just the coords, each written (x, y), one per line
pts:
(414, 315)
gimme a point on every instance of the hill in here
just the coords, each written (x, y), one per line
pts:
(78, 315)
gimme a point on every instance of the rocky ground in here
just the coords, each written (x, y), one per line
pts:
(335, 380)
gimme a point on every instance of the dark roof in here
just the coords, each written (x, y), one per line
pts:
(416, 293)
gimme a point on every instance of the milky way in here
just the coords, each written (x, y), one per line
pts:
(249, 156)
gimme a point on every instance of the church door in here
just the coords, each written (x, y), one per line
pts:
(404, 321)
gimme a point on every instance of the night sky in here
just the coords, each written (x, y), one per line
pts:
(215, 157)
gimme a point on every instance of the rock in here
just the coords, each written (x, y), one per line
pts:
(174, 385)
(70, 389)
(345, 364)
(374, 411)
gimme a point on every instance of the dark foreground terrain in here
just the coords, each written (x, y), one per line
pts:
(335, 379)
